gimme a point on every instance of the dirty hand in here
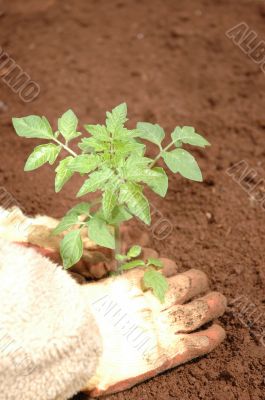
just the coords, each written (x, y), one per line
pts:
(36, 232)
(142, 337)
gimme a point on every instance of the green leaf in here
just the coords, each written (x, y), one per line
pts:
(134, 251)
(181, 161)
(128, 146)
(67, 125)
(136, 162)
(99, 132)
(42, 154)
(123, 133)
(131, 194)
(133, 132)
(84, 163)
(80, 209)
(131, 265)
(116, 118)
(95, 181)
(88, 145)
(71, 248)
(188, 135)
(63, 173)
(155, 262)
(155, 281)
(120, 257)
(99, 232)
(33, 127)
(109, 201)
(151, 132)
(155, 178)
(66, 223)
(119, 215)
(158, 183)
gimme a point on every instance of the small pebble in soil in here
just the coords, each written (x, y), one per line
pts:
(198, 13)
(210, 217)
(140, 36)
(3, 106)
(238, 269)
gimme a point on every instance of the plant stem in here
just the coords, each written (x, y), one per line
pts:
(117, 243)
(160, 153)
(65, 147)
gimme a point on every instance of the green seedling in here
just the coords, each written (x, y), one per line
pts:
(114, 163)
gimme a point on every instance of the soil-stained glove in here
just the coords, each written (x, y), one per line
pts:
(37, 231)
(49, 341)
(140, 336)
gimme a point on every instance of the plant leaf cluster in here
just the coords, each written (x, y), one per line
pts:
(112, 159)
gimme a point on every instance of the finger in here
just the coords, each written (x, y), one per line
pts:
(148, 252)
(189, 317)
(134, 236)
(169, 267)
(185, 348)
(184, 287)
(193, 345)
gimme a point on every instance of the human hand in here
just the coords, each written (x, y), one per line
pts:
(165, 333)
(142, 337)
(36, 232)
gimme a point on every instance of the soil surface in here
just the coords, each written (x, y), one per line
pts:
(172, 62)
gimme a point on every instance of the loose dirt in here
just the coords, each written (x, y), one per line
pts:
(172, 62)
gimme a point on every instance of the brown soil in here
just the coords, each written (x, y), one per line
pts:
(172, 62)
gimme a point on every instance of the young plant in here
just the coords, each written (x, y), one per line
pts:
(113, 161)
